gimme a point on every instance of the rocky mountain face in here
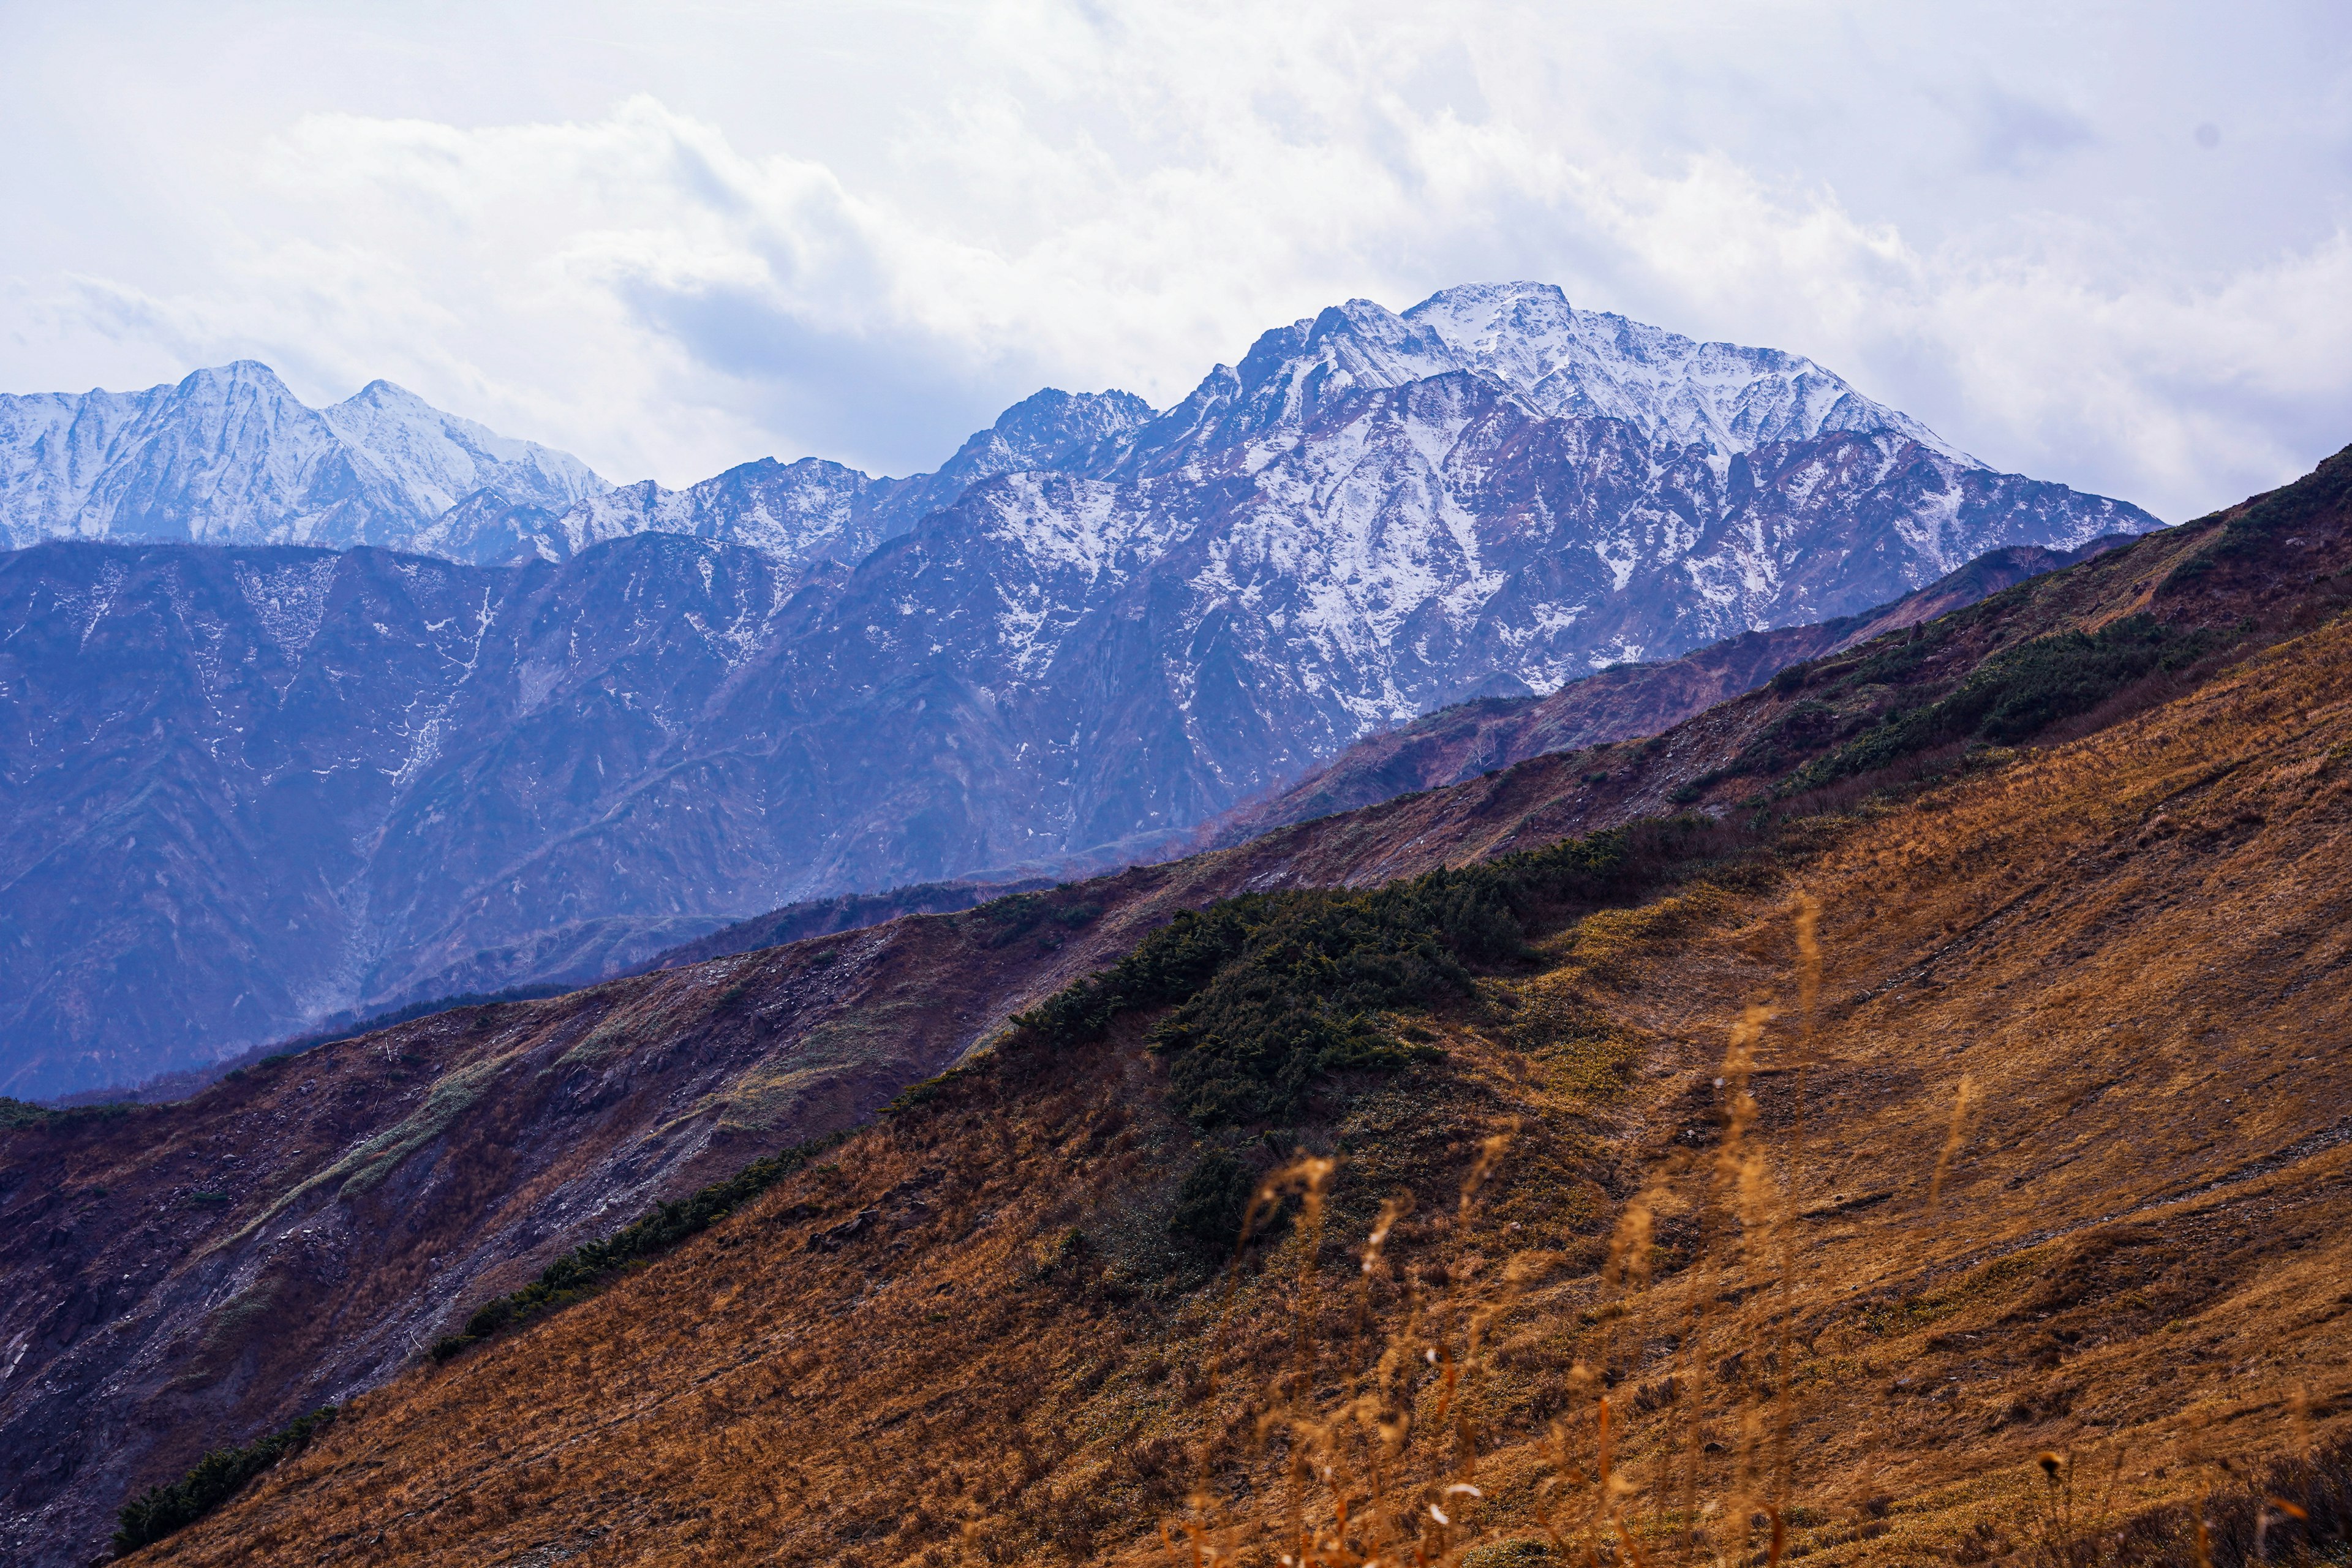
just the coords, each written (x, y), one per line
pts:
(183, 1276)
(1358, 525)
(256, 751)
(304, 784)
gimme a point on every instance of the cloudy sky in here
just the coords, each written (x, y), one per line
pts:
(2107, 244)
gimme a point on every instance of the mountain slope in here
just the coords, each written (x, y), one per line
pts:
(2173, 869)
(1624, 702)
(2069, 1180)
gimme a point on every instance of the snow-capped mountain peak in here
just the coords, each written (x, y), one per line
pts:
(1363, 344)
(1727, 397)
(436, 460)
(237, 373)
(1047, 430)
(229, 454)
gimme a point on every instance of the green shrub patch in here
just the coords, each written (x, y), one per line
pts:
(216, 1477)
(1271, 994)
(1213, 1199)
(2017, 693)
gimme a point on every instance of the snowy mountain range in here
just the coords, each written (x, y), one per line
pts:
(230, 457)
(248, 787)
(797, 513)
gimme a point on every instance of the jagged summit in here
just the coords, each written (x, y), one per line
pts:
(1526, 341)
(1585, 363)
(1563, 362)
(1046, 428)
(1359, 343)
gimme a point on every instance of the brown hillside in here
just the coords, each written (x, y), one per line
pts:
(2061, 1168)
(188, 1275)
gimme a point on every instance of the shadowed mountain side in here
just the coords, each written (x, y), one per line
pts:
(188, 1275)
(830, 917)
(793, 922)
(1622, 703)
(251, 788)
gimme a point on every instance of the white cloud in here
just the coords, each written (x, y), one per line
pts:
(672, 262)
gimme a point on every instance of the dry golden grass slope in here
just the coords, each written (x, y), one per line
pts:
(2064, 1167)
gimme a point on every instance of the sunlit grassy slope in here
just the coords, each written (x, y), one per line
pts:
(2058, 1163)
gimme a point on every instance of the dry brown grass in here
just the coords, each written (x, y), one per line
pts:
(1829, 1308)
